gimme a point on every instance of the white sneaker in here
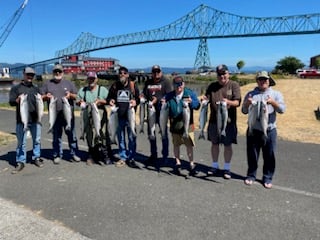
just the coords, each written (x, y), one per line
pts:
(76, 158)
(56, 160)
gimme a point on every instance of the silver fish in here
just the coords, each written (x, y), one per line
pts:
(203, 117)
(52, 112)
(96, 118)
(222, 118)
(258, 117)
(40, 108)
(142, 112)
(113, 124)
(186, 119)
(84, 120)
(132, 120)
(24, 111)
(163, 121)
(67, 112)
(151, 121)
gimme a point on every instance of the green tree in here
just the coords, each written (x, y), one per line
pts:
(240, 65)
(288, 65)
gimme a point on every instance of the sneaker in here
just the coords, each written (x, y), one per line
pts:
(101, 163)
(38, 162)
(18, 168)
(120, 163)
(213, 171)
(227, 174)
(76, 158)
(56, 160)
(131, 163)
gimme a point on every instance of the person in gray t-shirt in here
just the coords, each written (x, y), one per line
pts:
(61, 93)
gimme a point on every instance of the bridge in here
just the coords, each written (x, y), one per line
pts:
(202, 23)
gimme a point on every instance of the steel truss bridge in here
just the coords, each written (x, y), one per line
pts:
(202, 23)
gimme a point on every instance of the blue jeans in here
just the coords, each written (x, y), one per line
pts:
(35, 130)
(255, 143)
(132, 144)
(60, 125)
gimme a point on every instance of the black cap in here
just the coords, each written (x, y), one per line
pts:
(221, 69)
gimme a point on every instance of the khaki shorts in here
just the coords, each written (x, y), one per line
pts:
(178, 140)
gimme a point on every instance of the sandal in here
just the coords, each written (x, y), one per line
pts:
(248, 181)
(120, 163)
(267, 185)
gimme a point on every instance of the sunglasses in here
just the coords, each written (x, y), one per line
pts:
(156, 71)
(57, 71)
(263, 79)
(30, 74)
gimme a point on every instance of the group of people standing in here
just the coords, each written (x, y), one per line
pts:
(165, 101)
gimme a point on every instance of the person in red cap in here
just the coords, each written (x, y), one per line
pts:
(227, 93)
(154, 90)
(94, 93)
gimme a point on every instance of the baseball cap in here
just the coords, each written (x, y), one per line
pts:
(57, 67)
(265, 75)
(156, 67)
(178, 81)
(91, 75)
(122, 68)
(29, 70)
(221, 69)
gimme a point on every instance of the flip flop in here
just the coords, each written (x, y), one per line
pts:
(267, 185)
(248, 182)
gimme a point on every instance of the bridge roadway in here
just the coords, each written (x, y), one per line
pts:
(76, 201)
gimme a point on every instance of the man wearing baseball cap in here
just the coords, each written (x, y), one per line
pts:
(94, 93)
(31, 93)
(60, 88)
(154, 90)
(226, 92)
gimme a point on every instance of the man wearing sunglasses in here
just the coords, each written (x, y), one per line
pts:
(225, 92)
(154, 90)
(58, 88)
(27, 89)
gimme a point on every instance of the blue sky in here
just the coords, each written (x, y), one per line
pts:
(48, 26)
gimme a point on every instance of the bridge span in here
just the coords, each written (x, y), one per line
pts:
(202, 23)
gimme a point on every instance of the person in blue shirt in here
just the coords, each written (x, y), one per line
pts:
(178, 101)
(256, 139)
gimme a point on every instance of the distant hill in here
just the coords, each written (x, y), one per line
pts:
(11, 65)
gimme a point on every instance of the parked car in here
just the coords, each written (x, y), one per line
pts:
(310, 73)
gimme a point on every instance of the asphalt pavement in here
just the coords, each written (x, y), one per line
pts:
(76, 201)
